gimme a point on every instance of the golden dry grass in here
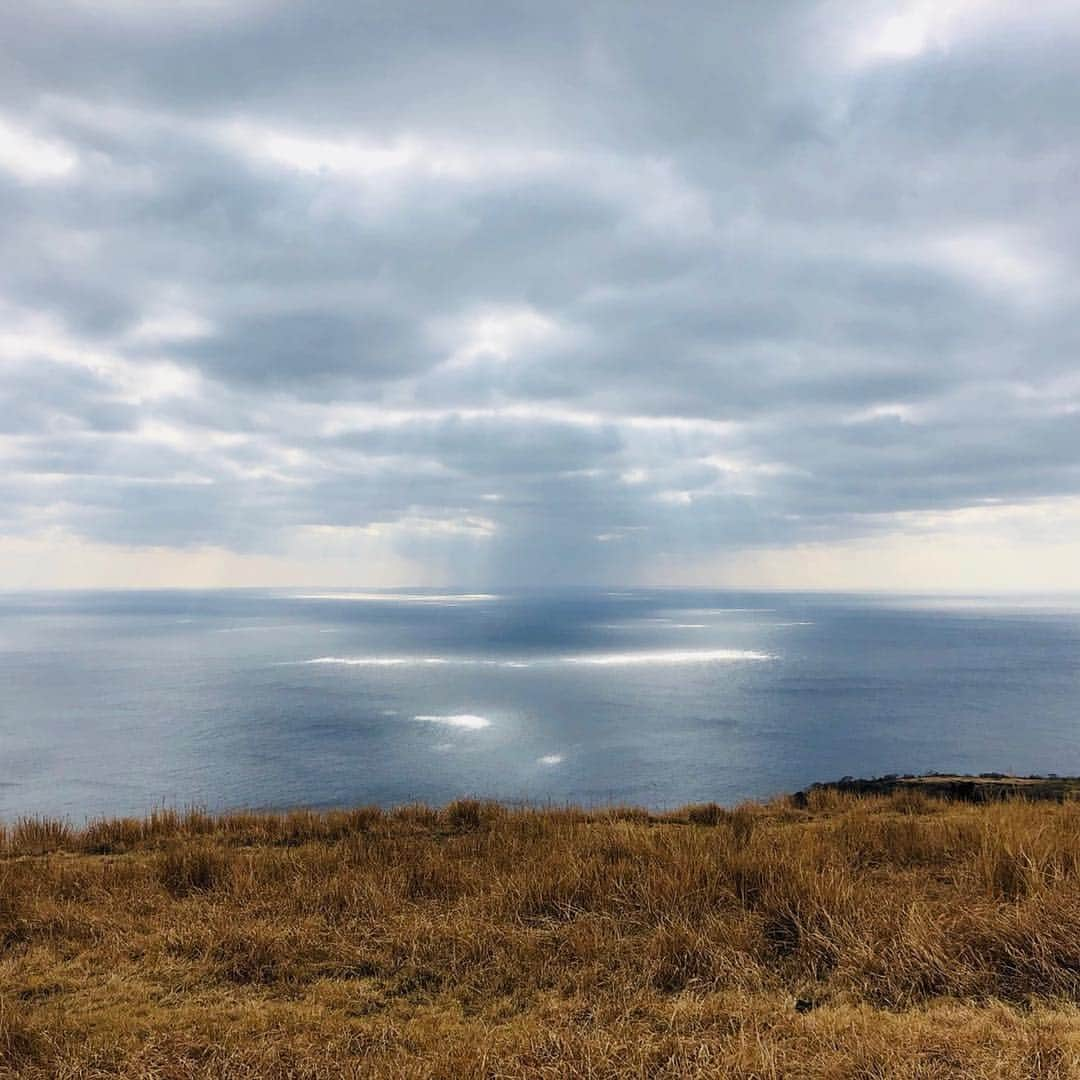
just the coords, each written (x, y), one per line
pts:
(860, 937)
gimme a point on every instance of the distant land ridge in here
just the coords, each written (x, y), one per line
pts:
(984, 787)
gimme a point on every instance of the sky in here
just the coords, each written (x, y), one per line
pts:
(698, 294)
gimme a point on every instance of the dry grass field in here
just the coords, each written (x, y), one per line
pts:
(882, 936)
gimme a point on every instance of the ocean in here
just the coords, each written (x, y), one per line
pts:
(119, 702)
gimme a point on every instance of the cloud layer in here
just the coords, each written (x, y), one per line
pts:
(531, 293)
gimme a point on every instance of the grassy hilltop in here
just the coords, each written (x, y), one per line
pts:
(853, 936)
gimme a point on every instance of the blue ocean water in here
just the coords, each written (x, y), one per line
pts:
(116, 702)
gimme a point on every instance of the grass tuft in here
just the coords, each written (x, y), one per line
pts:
(891, 935)
(192, 867)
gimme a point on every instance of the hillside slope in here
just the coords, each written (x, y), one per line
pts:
(856, 937)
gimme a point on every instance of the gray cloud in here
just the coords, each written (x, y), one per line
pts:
(537, 292)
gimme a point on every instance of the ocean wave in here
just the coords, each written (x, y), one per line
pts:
(377, 661)
(461, 720)
(728, 610)
(617, 659)
(400, 598)
(657, 624)
(668, 656)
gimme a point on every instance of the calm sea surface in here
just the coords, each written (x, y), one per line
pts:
(113, 703)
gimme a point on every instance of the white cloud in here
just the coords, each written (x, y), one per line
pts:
(671, 292)
(497, 333)
(33, 158)
(408, 156)
(907, 29)
(1001, 261)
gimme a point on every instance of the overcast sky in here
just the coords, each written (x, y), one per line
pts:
(520, 293)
